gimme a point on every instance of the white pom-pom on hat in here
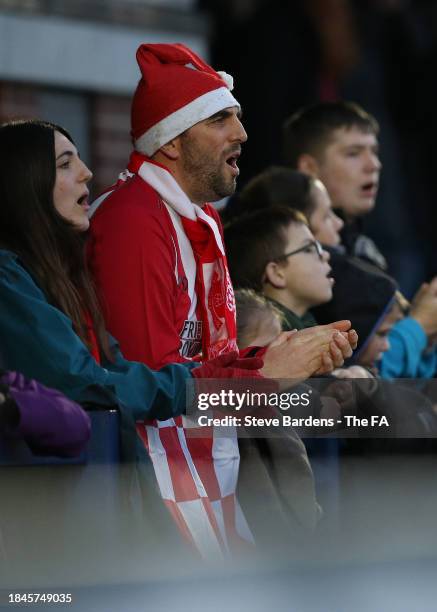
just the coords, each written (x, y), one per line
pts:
(227, 78)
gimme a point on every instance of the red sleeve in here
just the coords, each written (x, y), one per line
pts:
(133, 259)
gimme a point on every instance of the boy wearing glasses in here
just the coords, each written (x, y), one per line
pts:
(274, 252)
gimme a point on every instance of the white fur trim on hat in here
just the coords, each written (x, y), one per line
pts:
(227, 78)
(171, 126)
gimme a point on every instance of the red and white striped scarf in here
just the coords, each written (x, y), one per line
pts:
(197, 476)
(214, 290)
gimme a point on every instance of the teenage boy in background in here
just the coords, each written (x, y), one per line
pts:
(337, 142)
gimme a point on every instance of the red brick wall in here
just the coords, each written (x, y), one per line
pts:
(18, 101)
(110, 138)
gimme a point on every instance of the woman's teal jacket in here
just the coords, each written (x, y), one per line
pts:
(38, 340)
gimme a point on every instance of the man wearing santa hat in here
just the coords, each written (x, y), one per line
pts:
(157, 253)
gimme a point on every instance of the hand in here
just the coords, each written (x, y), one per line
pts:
(350, 334)
(340, 348)
(424, 307)
(300, 354)
(229, 365)
(283, 337)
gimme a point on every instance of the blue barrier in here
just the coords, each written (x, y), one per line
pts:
(324, 456)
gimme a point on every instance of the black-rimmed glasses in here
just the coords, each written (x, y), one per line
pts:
(310, 247)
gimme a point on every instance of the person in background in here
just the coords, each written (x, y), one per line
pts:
(290, 496)
(337, 142)
(281, 186)
(274, 252)
(412, 351)
(369, 296)
(371, 299)
(259, 322)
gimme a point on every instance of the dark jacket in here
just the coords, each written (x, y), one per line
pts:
(362, 293)
(357, 244)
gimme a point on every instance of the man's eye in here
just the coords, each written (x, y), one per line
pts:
(309, 249)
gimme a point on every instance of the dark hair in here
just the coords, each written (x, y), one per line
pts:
(275, 186)
(310, 129)
(49, 246)
(254, 240)
(252, 310)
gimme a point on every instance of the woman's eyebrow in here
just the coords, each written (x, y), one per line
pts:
(69, 153)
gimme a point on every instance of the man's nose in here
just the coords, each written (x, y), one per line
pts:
(240, 134)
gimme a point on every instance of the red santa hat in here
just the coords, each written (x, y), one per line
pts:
(177, 90)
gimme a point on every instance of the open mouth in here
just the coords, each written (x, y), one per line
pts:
(369, 189)
(83, 200)
(232, 161)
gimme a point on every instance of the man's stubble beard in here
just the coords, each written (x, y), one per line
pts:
(206, 179)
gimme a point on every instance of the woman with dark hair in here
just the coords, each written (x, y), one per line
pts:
(280, 186)
(51, 328)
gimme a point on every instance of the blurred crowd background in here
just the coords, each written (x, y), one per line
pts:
(73, 62)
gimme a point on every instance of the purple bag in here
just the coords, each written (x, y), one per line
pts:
(49, 422)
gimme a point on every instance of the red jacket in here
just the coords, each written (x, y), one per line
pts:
(136, 260)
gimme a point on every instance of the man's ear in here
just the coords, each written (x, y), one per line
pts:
(171, 150)
(274, 275)
(308, 165)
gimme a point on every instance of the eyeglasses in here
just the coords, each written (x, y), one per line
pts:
(311, 247)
